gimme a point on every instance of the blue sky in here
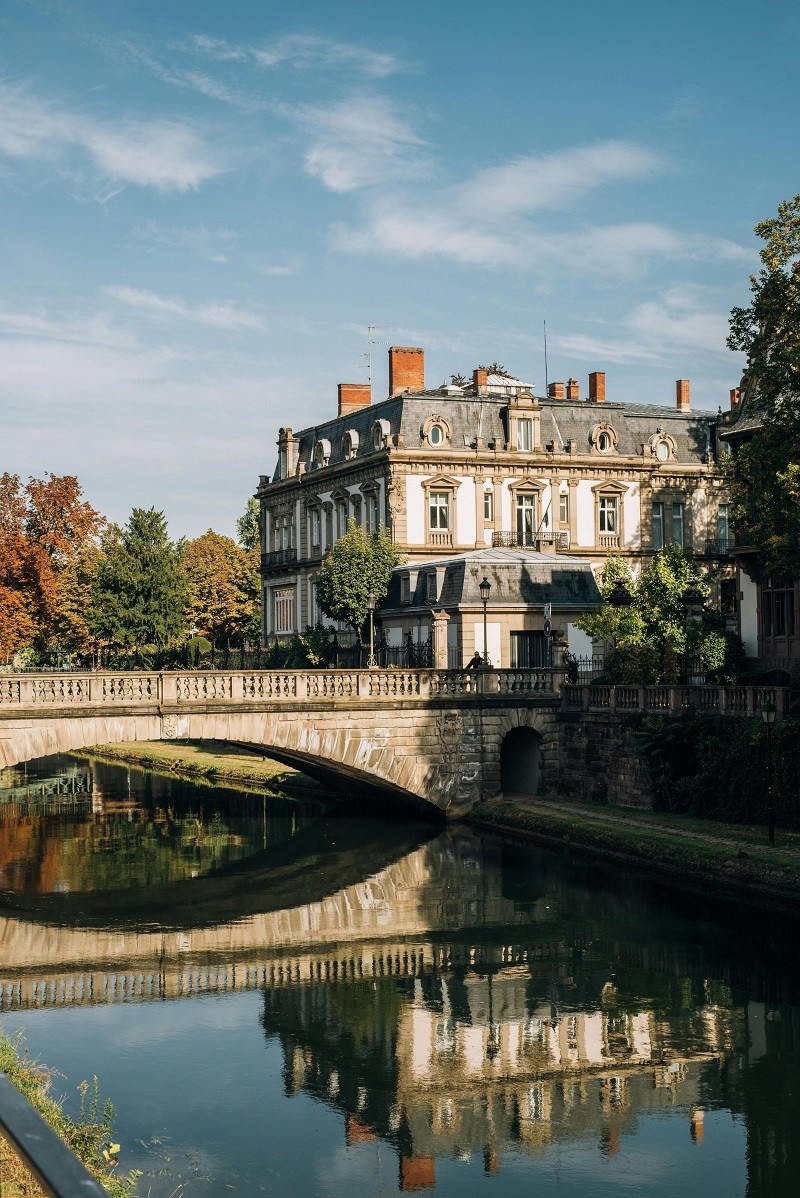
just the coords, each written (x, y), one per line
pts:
(204, 205)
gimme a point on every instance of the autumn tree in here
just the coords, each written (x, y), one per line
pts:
(359, 563)
(45, 529)
(139, 590)
(766, 483)
(223, 589)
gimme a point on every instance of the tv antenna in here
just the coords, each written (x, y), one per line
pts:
(546, 378)
(371, 330)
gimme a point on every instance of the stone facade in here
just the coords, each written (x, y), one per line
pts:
(597, 762)
(488, 464)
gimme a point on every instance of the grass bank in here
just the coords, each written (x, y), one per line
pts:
(214, 763)
(90, 1138)
(719, 858)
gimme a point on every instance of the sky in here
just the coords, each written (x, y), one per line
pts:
(204, 205)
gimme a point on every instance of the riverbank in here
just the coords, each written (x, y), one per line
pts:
(214, 763)
(725, 859)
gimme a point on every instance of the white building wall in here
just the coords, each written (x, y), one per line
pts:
(493, 636)
(465, 533)
(415, 511)
(748, 614)
(632, 516)
(579, 642)
(584, 497)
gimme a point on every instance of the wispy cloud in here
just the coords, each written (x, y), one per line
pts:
(500, 218)
(220, 316)
(360, 142)
(211, 244)
(304, 52)
(166, 155)
(685, 320)
(193, 80)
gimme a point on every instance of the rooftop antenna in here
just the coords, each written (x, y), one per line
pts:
(546, 377)
(371, 328)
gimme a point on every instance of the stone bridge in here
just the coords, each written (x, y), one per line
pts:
(439, 738)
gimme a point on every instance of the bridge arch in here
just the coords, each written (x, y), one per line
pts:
(521, 764)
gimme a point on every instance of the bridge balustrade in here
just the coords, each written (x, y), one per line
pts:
(252, 686)
(666, 700)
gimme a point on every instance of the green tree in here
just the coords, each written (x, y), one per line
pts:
(653, 634)
(766, 481)
(248, 526)
(139, 590)
(359, 563)
(223, 589)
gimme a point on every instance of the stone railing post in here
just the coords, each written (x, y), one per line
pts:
(440, 622)
(167, 688)
(675, 700)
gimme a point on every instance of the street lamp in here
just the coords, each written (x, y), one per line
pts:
(371, 662)
(620, 595)
(768, 713)
(485, 588)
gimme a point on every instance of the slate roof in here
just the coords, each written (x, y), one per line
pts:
(469, 416)
(519, 577)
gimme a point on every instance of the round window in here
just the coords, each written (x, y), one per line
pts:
(604, 442)
(435, 435)
(662, 451)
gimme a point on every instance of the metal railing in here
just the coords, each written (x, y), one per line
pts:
(53, 1164)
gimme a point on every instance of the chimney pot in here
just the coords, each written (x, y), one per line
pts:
(682, 399)
(556, 390)
(597, 386)
(353, 396)
(480, 381)
(573, 391)
(406, 369)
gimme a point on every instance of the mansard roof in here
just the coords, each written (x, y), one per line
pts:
(469, 416)
(520, 577)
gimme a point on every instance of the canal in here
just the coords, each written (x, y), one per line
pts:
(284, 999)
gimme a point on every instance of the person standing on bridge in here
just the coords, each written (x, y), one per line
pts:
(475, 662)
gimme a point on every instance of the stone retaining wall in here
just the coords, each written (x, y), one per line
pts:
(598, 762)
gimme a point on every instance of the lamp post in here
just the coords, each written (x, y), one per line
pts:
(371, 662)
(768, 713)
(620, 595)
(692, 600)
(485, 588)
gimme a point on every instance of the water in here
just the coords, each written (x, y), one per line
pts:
(283, 1001)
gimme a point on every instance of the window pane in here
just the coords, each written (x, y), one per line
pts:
(608, 513)
(677, 523)
(723, 526)
(488, 505)
(524, 438)
(526, 519)
(284, 609)
(440, 510)
(563, 508)
(658, 526)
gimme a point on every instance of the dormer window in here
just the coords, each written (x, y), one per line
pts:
(380, 431)
(662, 451)
(436, 431)
(436, 434)
(604, 439)
(322, 453)
(350, 443)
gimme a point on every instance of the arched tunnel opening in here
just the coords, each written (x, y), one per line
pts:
(521, 762)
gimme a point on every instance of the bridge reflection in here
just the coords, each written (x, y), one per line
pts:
(447, 1003)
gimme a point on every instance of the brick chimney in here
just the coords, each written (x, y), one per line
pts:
(480, 381)
(406, 369)
(573, 391)
(353, 396)
(682, 400)
(597, 386)
(736, 397)
(555, 390)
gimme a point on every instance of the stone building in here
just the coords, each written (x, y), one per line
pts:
(488, 463)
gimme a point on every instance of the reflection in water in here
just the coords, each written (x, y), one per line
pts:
(471, 1005)
(68, 826)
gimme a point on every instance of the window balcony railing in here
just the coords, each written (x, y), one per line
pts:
(608, 540)
(442, 539)
(517, 540)
(721, 547)
(278, 557)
